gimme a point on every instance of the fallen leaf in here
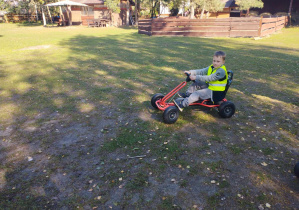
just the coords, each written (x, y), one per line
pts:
(264, 164)
(240, 196)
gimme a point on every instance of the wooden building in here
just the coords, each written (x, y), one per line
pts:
(98, 10)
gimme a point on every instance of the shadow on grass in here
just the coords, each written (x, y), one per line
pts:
(105, 85)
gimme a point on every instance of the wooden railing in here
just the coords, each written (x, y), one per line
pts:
(217, 27)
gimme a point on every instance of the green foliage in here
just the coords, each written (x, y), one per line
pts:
(247, 4)
(174, 4)
(210, 5)
(113, 5)
(22, 7)
(3, 5)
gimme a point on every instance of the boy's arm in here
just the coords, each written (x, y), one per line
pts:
(196, 72)
(219, 74)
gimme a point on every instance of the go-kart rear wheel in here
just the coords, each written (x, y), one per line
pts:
(226, 109)
(155, 98)
(171, 115)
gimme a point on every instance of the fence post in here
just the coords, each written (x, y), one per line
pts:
(230, 26)
(151, 29)
(260, 27)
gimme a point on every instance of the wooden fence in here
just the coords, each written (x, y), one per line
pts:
(217, 27)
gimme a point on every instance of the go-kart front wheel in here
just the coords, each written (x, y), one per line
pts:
(155, 98)
(171, 115)
(226, 109)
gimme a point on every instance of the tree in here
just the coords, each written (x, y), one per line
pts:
(113, 6)
(247, 4)
(3, 5)
(207, 5)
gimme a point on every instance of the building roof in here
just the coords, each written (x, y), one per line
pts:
(229, 3)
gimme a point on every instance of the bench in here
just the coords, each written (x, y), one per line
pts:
(93, 23)
(97, 22)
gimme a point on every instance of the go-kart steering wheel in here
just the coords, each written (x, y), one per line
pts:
(188, 78)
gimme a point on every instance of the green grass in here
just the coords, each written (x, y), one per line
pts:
(81, 96)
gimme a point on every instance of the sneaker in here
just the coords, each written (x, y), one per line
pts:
(179, 104)
(183, 95)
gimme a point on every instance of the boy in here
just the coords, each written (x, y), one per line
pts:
(210, 83)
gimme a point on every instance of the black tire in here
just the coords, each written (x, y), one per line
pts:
(155, 98)
(171, 115)
(226, 109)
(296, 169)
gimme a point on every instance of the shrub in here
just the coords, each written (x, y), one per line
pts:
(266, 14)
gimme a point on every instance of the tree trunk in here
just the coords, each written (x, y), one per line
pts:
(208, 14)
(202, 12)
(290, 12)
(69, 10)
(44, 18)
(192, 12)
(61, 16)
(290, 8)
(128, 13)
(36, 13)
(50, 14)
(136, 13)
(5, 18)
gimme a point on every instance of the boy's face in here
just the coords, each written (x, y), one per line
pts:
(218, 61)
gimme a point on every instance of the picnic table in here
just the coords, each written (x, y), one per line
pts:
(100, 22)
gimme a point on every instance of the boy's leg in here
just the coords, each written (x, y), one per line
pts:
(203, 94)
(192, 88)
(196, 86)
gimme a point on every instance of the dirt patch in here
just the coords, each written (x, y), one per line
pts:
(74, 165)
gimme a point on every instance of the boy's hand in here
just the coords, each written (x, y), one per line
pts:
(190, 76)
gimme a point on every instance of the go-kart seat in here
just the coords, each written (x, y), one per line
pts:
(218, 96)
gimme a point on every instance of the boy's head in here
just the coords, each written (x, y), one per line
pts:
(218, 59)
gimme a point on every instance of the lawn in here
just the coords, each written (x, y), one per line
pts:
(77, 129)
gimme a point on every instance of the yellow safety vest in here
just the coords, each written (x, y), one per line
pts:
(217, 85)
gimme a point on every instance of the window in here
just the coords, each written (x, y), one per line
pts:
(87, 11)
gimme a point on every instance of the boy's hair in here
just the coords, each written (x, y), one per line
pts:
(220, 54)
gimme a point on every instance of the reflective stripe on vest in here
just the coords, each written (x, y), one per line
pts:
(217, 85)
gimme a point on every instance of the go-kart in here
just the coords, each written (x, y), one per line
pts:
(226, 109)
